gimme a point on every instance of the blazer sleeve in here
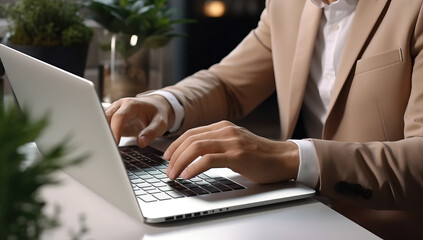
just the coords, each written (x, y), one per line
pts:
(381, 175)
(233, 87)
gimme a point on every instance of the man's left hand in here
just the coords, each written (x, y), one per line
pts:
(224, 144)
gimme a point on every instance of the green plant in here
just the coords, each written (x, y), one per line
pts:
(46, 23)
(150, 20)
(21, 207)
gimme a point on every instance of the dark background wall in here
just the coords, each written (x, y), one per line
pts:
(207, 41)
(212, 38)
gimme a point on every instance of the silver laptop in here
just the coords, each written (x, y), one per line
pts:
(131, 178)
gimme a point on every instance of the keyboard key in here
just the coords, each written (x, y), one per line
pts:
(131, 168)
(162, 166)
(221, 187)
(226, 182)
(140, 192)
(153, 191)
(211, 189)
(143, 185)
(147, 198)
(132, 176)
(152, 180)
(174, 183)
(196, 179)
(141, 165)
(165, 188)
(126, 157)
(235, 186)
(210, 180)
(178, 187)
(189, 185)
(187, 193)
(154, 157)
(155, 172)
(162, 196)
(137, 180)
(199, 191)
(148, 188)
(150, 170)
(220, 179)
(202, 183)
(163, 170)
(143, 175)
(161, 176)
(203, 176)
(182, 181)
(159, 184)
(175, 194)
(165, 180)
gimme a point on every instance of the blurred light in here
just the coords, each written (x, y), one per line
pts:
(134, 40)
(214, 8)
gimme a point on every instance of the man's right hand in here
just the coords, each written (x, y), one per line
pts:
(145, 117)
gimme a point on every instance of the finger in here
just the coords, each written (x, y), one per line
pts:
(195, 131)
(181, 139)
(155, 129)
(217, 131)
(200, 143)
(191, 153)
(111, 110)
(203, 164)
(118, 120)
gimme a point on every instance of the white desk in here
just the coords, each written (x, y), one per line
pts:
(304, 219)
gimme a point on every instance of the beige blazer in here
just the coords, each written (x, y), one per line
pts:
(371, 154)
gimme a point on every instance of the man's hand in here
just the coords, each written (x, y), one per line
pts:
(146, 117)
(224, 144)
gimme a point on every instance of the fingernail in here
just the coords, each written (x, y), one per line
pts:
(142, 141)
(166, 155)
(184, 174)
(171, 174)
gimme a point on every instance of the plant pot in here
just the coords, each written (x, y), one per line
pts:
(70, 58)
(130, 71)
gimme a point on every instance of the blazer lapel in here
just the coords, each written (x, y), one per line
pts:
(308, 28)
(366, 16)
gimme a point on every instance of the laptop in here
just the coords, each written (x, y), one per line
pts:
(131, 178)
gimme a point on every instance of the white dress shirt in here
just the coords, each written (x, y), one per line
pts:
(330, 41)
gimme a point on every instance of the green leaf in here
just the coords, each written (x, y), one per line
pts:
(150, 20)
(42, 22)
(21, 208)
(123, 3)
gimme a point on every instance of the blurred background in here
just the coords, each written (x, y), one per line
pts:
(220, 25)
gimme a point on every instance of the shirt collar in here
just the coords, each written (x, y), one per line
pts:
(345, 3)
(337, 10)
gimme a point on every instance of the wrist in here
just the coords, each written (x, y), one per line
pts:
(166, 108)
(288, 156)
(174, 110)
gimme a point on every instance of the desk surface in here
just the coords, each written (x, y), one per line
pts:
(304, 219)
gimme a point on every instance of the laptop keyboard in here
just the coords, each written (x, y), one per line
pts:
(147, 173)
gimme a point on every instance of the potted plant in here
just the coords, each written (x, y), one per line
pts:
(22, 213)
(50, 30)
(136, 27)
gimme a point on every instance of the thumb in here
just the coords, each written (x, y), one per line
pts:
(156, 128)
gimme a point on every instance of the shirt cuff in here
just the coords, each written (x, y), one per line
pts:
(308, 172)
(178, 109)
